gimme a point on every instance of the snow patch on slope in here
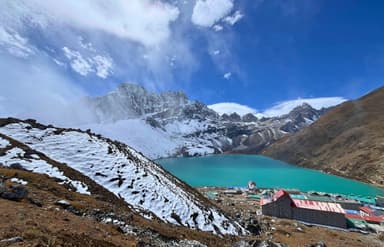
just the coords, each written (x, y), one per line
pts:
(3, 143)
(125, 173)
(151, 141)
(37, 165)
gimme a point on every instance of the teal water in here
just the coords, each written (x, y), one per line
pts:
(237, 170)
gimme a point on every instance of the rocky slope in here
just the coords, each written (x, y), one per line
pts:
(51, 214)
(348, 140)
(88, 163)
(169, 124)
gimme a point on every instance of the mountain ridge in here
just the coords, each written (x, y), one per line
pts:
(348, 141)
(185, 127)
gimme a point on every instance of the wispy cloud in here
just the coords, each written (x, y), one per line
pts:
(82, 45)
(279, 108)
(15, 44)
(39, 91)
(285, 107)
(143, 21)
(227, 75)
(100, 65)
(208, 12)
(233, 19)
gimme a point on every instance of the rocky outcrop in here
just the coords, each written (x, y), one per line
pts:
(249, 118)
(16, 193)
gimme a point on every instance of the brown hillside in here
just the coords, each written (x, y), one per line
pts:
(347, 141)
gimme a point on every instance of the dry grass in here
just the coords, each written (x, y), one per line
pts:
(52, 224)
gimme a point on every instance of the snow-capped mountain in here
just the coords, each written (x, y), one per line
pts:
(116, 167)
(169, 124)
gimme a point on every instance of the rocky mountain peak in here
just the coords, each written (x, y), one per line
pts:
(187, 127)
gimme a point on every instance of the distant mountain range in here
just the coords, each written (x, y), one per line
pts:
(348, 140)
(169, 124)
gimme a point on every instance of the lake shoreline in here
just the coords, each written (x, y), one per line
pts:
(326, 171)
(236, 170)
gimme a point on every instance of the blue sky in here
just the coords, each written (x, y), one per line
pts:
(301, 49)
(255, 53)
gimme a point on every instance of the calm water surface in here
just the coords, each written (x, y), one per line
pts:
(237, 170)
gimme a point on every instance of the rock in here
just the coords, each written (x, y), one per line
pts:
(257, 243)
(16, 166)
(10, 241)
(191, 243)
(16, 194)
(249, 118)
(35, 202)
(318, 244)
(2, 186)
(299, 229)
(63, 203)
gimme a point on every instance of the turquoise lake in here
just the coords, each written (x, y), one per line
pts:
(237, 170)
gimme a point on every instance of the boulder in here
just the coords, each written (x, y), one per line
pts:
(16, 166)
(16, 194)
(2, 186)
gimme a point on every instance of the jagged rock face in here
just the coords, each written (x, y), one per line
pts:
(249, 118)
(301, 116)
(189, 128)
(132, 101)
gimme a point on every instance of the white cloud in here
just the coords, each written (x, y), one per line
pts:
(285, 107)
(77, 62)
(86, 45)
(101, 66)
(15, 44)
(217, 28)
(35, 88)
(227, 75)
(230, 107)
(216, 52)
(233, 19)
(143, 21)
(208, 12)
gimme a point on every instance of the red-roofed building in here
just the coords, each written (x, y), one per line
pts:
(322, 206)
(315, 212)
(366, 211)
(369, 219)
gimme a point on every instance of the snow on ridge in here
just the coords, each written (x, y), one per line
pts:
(231, 107)
(127, 174)
(3, 143)
(138, 135)
(37, 165)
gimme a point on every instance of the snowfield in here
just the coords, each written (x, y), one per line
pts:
(124, 172)
(159, 143)
(153, 142)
